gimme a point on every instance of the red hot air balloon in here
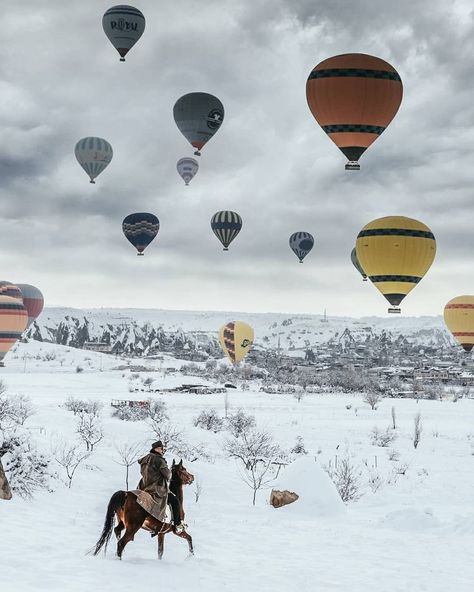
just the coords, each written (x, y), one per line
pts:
(33, 301)
(354, 97)
(12, 290)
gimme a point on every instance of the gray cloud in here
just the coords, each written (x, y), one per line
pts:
(61, 80)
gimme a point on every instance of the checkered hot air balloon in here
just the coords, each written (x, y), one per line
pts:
(226, 225)
(236, 339)
(140, 229)
(354, 97)
(94, 155)
(13, 321)
(123, 25)
(301, 244)
(198, 116)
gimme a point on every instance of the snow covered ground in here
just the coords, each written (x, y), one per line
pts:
(414, 533)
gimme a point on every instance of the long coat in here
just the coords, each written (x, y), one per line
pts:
(155, 476)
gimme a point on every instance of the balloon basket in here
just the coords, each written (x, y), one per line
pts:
(140, 254)
(364, 279)
(225, 249)
(92, 181)
(197, 153)
(122, 59)
(352, 165)
(395, 310)
(301, 261)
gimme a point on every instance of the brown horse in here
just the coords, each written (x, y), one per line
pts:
(132, 517)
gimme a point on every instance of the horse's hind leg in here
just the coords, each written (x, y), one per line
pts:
(118, 529)
(161, 545)
(127, 537)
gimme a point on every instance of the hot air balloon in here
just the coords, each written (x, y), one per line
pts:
(187, 168)
(459, 318)
(354, 97)
(226, 225)
(140, 229)
(236, 339)
(13, 321)
(198, 116)
(301, 244)
(395, 252)
(33, 301)
(357, 265)
(12, 290)
(94, 155)
(123, 25)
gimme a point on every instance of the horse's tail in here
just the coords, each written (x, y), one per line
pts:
(116, 502)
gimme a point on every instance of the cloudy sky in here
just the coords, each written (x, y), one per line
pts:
(61, 80)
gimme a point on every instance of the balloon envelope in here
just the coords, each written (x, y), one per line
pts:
(236, 339)
(301, 244)
(33, 301)
(226, 225)
(187, 168)
(198, 116)
(459, 318)
(354, 97)
(13, 321)
(357, 265)
(395, 252)
(94, 155)
(123, 25)
(12, 290)
(140, 229)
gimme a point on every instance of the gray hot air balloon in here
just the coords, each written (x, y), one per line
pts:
(187, 168)
(123, 25)
(94, 155)
(198, 116)
(301, 244)
(357, 265)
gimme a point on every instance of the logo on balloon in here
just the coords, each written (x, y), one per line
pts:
(214, 119)
(123, 25)
(246, 343)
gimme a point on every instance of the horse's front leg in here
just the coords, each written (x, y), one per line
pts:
(189, 538)
(161, 545)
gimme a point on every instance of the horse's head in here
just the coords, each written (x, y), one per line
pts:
(181, 473)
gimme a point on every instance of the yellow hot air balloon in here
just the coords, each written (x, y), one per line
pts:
(236, 339)
(459, 318)
(395, 253)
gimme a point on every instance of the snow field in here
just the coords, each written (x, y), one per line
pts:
(415, 533)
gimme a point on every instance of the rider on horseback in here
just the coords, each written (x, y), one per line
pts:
(155, 481)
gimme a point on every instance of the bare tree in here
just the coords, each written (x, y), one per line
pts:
(70, 458)
(298, 395)
(240, 422)
(372, 398)
(208, 419)
(197, 490)
(89, 430)
(27, 468)
(156, 414)
(128, 455)
(394, 419)
(417, 429)
(259, 457)
(226, 405)
(382, 437)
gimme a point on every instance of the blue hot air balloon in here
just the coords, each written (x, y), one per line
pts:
(140, 229)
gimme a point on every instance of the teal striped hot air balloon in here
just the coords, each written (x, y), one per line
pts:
(226, 225)
(94, 155)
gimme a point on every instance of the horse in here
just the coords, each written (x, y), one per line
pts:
(131, 516)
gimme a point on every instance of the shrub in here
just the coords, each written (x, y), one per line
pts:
(299, 448)
(346, 477)
(238, 423)
(383, 438)
(209, 420)
(26, 468)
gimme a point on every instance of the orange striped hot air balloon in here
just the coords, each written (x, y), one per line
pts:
(459, 318)
(12, 290)
(354, 97)
(13, 321)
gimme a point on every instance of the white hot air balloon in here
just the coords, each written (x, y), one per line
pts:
(123, 25)
(94, 155)
(187, 168)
